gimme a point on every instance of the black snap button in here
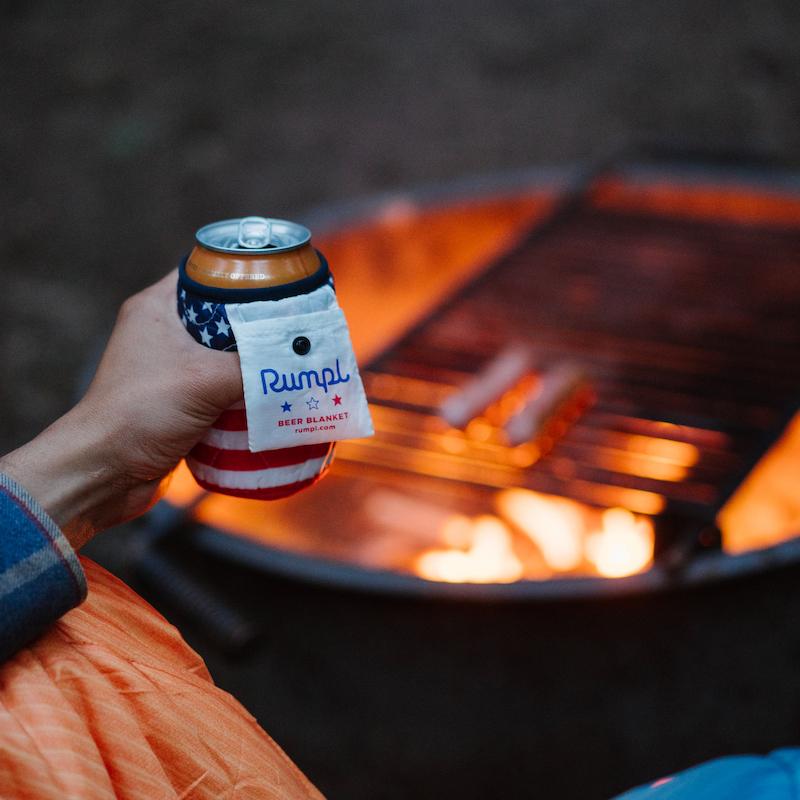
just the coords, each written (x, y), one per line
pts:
(301, 345)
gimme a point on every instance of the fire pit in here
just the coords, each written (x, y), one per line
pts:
(569, 382)
(639, 328)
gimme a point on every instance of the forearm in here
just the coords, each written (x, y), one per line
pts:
(69, 473)
(155, 394)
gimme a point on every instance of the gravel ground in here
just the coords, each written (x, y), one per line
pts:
(125, 125)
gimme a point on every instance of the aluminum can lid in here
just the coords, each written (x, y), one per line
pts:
(253, 235)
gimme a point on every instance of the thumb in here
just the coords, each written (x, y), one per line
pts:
(223, 377)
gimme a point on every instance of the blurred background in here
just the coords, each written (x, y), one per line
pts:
(126, 125)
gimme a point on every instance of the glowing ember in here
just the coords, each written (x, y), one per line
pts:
(553, 524)
(489, 558)
(567, 536)
(624, 545)
(535, 536)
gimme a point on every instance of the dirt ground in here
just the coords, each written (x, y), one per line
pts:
(125, 125)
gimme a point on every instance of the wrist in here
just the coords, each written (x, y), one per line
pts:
(68, 470)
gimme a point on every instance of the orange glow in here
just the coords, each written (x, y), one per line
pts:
(511, 401)
(457, 531)
(555, 525)
(524, 455)
(564, 536)
(623, 546)
(391, 388)
(668, 450)
(480, 429)
(405, 515)
(695, 201)
(377, 261)
(564, 533)
(394, 497)
(489, 557)
(453, 442)
(182, 488)
(648, 456)
(643, 467)
(766, 508)
(635, 499)
(568, 537)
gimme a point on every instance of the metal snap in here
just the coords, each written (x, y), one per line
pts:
(301, 345)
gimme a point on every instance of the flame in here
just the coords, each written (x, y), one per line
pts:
(489, 557)
(553, 524)
(569, 537)
(481, 549)
(623, 546)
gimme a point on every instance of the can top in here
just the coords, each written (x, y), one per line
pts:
(253, 235)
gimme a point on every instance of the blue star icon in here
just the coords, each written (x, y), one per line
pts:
(312, 403)
(286, 407)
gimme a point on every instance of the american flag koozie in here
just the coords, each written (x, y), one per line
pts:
(223, 460)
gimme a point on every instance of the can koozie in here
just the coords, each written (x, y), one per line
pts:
(301, 380)
(302, 388)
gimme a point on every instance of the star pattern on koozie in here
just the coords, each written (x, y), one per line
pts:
(206, 321)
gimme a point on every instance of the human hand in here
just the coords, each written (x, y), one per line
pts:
(155, 393)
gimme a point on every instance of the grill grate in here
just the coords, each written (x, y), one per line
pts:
(689, 332)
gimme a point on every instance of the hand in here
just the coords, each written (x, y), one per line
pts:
(155, 394)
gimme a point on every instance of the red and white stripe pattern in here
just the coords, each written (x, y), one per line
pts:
(222, 462)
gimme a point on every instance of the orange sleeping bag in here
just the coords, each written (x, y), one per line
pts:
(112, 703)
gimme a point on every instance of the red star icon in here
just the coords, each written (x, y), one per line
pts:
(337, 401)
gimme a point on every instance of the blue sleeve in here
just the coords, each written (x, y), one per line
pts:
(772, 777)
(40, 576)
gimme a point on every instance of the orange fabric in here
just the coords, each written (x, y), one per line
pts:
(112, 703)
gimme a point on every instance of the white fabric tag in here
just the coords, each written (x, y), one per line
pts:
(293, 399)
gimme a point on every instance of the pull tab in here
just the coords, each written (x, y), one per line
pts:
(254, 232)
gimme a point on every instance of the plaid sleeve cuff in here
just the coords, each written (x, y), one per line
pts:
(40, 576)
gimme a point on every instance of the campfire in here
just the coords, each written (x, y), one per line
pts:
(584, 407)
(530, 535)
(567, 538)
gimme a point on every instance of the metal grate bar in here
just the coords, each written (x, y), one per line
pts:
(687, 329)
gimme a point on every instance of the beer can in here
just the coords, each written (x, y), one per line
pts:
(241, 261)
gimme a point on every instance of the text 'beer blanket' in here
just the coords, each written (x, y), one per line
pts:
(301, 380)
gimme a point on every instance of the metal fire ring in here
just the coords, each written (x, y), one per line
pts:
(702, 568)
